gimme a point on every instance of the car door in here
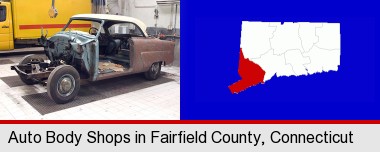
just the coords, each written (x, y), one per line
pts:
(4, 27)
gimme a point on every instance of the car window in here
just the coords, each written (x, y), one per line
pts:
(125, 28)
(3, 13)
(97, 25)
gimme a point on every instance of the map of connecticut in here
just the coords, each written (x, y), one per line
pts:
(270, 49)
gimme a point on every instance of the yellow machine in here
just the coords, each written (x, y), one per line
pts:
(21, 21)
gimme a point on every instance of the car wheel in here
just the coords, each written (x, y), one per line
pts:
(25, 60)
(29, 58)
(63, 84)
(154, 71)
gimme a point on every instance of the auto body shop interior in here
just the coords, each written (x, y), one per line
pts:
(90, 59)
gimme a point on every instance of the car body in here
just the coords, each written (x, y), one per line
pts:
(114, 46)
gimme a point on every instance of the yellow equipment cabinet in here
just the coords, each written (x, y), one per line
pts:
(21, 20)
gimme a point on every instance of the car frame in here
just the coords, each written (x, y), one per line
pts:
(75, 55)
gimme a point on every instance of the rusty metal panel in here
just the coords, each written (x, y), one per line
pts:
(150, 50)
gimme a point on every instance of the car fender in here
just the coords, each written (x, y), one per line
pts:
(150, 50)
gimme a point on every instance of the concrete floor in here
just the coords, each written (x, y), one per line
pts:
(157, 102)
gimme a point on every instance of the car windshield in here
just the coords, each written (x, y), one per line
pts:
(87, 26)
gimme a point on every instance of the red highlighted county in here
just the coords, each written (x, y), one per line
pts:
(251, 74)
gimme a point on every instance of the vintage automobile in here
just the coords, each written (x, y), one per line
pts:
(114, 46)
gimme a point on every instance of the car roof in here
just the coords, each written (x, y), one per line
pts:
(109, 17)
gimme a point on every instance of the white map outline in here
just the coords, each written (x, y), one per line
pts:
(292, 48)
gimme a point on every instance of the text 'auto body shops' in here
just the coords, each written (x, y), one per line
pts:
(182, 137)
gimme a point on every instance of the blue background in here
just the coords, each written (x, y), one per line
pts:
(210, 44)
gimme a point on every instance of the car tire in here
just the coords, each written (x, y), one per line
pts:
(63, 84)
(25, 60)
(154, 71)
(31, 57)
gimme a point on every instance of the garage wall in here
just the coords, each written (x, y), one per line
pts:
(144, 10)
